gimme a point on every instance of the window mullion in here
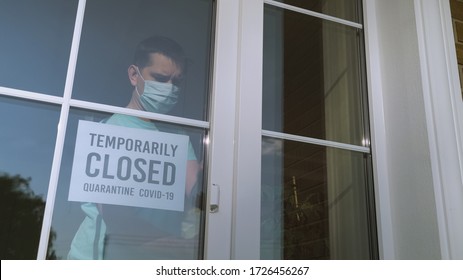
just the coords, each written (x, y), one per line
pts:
(246, 231)
(219, 224)
(53, 184)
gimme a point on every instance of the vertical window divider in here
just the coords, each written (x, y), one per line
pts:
(61, 133)
(218, 226)
(247, 185)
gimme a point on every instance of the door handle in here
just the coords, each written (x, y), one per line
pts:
(215, 198)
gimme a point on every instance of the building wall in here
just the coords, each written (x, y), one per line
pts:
(456, 7)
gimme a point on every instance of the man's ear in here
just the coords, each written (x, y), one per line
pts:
(133, 75)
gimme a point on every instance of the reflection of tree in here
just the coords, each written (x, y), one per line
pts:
(21, 215)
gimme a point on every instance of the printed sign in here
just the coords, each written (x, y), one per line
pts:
(129, 166)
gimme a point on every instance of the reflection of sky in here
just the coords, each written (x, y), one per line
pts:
(35, 44)
(272, 147)
(35, 41)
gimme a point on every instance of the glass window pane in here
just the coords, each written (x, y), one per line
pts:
(345, 9)
(113, 29)
(129, 188)
(314, 202)
(311, 82)
(35, 44)
(27, 144)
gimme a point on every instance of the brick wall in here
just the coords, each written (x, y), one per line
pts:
(456, 7)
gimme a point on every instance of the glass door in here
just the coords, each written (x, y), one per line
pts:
(180, 129)
(131, 178)
(113, 105)
(304, 184)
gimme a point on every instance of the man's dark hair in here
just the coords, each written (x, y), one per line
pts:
(162, 45)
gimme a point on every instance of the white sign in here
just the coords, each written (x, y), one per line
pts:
(129, 166)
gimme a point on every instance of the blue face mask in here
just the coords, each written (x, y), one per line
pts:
(158, 97)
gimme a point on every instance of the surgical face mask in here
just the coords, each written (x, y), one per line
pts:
(158, 97)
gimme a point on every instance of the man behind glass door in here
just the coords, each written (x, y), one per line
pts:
(122, 232)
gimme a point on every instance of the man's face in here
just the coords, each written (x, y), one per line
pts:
(161, 69)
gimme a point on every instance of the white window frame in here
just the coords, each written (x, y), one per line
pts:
(444, 113)
(234, 231)
(245, 240)
(444, 124)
